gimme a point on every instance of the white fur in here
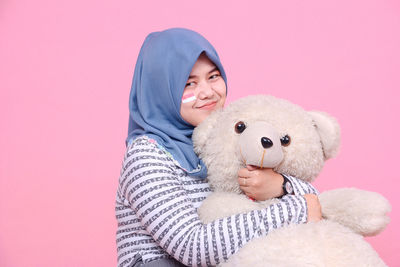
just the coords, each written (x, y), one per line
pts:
(224, 204)
(349, 213)
(362, 211)
(329, 132)
(325, 243)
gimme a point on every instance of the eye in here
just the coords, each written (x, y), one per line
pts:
(240, 127)
(214, 76)
(285, 141)
(189, 84)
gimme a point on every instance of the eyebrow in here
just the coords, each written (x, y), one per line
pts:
(211, 71)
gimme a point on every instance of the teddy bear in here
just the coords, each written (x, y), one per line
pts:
(270, 132)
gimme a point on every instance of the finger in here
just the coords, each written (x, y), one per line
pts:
(248, 192)
(243, 173)
(243, 182)
(251, 167)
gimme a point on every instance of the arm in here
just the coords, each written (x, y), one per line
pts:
(301, 187)
(164, 208)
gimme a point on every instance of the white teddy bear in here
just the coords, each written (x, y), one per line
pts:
(269, 132)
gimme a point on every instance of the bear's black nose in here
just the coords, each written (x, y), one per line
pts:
(266, 142)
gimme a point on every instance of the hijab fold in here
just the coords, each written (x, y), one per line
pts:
(163, 66)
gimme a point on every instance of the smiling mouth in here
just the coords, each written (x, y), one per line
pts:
(209, 105)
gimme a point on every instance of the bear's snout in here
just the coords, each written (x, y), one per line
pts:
(260, 145)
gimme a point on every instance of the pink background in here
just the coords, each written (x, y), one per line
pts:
(65, 75)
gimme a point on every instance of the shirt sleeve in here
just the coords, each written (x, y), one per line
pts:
(301, 187)
(159, 199)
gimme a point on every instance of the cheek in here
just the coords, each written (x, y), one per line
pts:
(184, 111)
(221, 89)
(190, 115)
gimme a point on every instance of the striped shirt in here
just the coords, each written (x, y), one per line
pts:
(156, 210)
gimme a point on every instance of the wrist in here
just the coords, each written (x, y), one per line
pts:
(287, 187)
(280, 192)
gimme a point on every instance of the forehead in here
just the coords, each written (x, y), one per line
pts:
(203, 63)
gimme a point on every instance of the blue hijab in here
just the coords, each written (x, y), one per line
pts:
(161, 72)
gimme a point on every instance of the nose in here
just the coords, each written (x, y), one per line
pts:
(266, 142)
(205, 91)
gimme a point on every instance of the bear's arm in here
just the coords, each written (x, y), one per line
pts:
(362, 211)
(223, 204)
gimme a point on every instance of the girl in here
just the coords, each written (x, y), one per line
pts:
(178, 82)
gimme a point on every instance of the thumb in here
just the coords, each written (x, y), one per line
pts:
(251, 167)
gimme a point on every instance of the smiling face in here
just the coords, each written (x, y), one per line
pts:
(205, 91)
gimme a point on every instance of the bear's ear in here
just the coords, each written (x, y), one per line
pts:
(202, 132)
(329, 131)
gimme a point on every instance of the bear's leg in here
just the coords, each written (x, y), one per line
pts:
(325, 243)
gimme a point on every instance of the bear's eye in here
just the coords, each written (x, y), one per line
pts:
(285, 141)
(240, 127)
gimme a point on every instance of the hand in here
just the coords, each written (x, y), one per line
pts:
(314, 213)
(260, 184)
